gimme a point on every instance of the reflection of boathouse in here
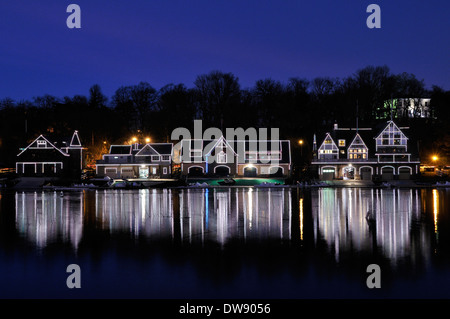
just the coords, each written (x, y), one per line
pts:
(366, 154)
(341, 219)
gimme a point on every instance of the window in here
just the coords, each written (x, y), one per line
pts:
(164, 170)
(196, 153)
(156, 158)
(222, 157)
(41, 143)
(341, 143)
(166, 158)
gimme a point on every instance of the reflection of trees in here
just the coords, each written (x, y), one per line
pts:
(45, 217)
(359, 219)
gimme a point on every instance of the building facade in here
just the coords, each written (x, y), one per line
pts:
(60, 158)
(237, 158)
(366, 154)
(149, 161)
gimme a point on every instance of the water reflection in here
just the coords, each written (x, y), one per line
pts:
(45, 217)
(392, 222)
(221, 215)
(388, 220)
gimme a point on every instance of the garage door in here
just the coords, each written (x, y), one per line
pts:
(404, 173)
(366, 174)
(328, 174)
(250, 171)
(387, 174)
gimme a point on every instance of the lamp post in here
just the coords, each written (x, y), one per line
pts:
(300, 142)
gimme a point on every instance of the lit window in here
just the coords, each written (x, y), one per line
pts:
(341, 142)
(221, 157)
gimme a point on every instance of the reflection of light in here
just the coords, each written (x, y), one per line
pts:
(301, 218)
(250, 207)
(206, 208)
(435, 208)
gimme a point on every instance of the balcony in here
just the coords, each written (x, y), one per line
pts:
(345, 160)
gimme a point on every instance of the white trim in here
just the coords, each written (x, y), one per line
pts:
(250, 166)
(203, 169)
(164, 170)
(356, 162)
(371, 169)
(217, 142)
(71, 141)
(142, 149)
(229, 168)
(410, 169)
(29, 146)
(282, 169)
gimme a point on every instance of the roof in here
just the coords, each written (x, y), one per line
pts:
(120, 150)
(368, 135)
(34, 145)
(237, 146)
(155, 149)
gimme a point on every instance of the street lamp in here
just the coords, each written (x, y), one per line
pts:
(300, 142)
(147, 140)
(434, 158)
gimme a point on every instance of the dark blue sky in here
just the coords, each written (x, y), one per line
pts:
(173, 41)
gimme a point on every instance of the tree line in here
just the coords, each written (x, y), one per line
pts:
(299, 108)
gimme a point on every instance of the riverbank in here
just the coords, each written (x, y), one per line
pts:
(41, 183)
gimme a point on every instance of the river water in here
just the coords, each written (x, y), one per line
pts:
(226, 243)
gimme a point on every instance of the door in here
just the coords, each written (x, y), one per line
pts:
(250, 171)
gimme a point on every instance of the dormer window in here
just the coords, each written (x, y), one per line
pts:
(41, 143)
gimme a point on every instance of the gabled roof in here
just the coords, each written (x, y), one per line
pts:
(207, 146)
(212, 145)
(156, 149)
(328, 137)
(163, 148)
(357, 141)
(75, 141)
(391, 124)
(42, 138)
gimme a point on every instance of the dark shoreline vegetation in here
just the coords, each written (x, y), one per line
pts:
(299, 108)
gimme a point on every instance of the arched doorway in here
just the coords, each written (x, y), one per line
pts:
(348, 172)
(250, 171)
(404, 173)
(387, 173)
(195, 171)
(276, 171)
(222, 170)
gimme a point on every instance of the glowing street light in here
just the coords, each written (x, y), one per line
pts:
(434, 158)
(300, 142)
(147, 140)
